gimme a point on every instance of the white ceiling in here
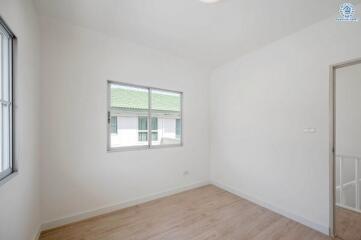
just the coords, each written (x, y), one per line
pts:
(210, 33)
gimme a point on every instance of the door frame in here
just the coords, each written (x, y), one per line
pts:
(332, 143)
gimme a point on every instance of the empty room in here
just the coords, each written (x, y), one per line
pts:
(180, 120)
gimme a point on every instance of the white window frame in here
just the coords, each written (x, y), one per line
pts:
(149, 145)
(8, 76)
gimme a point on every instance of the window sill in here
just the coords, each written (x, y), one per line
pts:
(8, 178)
(166, 146)
(126, 149)
(135, 148)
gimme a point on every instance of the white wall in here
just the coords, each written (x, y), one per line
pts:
(19, 196)
(77, 173)
(259, 107)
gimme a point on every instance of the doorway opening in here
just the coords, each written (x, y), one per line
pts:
(345, 150)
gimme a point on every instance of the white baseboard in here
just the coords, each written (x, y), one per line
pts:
(108, 209)
(37, 234)
(316, 226)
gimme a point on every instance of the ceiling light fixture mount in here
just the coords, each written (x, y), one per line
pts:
(209, 1)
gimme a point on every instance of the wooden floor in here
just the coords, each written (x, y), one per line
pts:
(206, 213)
(348, 224)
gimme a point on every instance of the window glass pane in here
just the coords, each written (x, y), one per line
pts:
(166, 107)
(154, 129)
(5, 106)
(6, 135)
(130, 106)
(114, 125)
(154, 136)
(178, 128)
(154, 123)
(129, 98)
(5, 69)
(2, 163)
(165, 101)
(1, 62)
(142, 136)
(128, 133)
(143, 123)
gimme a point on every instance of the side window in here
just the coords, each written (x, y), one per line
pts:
(6, 113)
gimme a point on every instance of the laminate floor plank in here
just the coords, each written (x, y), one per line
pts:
(206, 213)
(348, 224)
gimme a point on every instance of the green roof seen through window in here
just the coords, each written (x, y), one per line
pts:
(137, 98)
